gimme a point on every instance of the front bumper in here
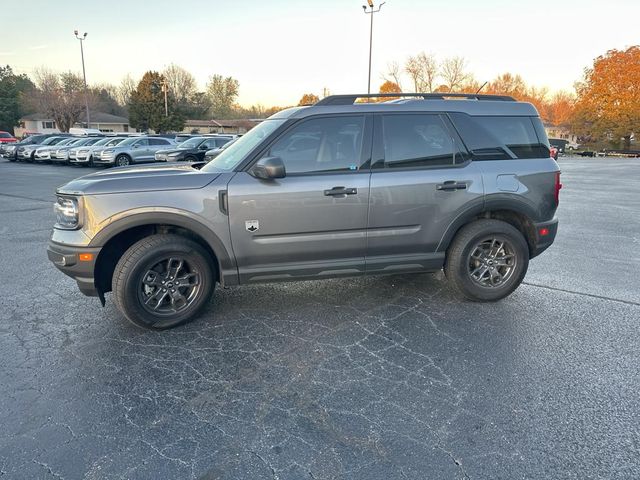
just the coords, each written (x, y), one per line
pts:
(544, 241)
(104, 159)
(67, 260)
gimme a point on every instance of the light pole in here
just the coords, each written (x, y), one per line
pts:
(165, 89)
(84, 75)
(371, 12)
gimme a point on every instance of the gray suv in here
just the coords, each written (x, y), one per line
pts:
(340, 188)
(132, 150)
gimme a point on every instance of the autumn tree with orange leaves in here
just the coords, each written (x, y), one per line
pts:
(308, 99)
(608, 104)
(389, 87)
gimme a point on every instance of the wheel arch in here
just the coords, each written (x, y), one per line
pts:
(119, 235)
(516, 213)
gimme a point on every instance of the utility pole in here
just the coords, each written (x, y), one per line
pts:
(84, 75)
(371, 12)
(165, 89)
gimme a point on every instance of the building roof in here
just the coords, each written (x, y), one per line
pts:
(244, 123)
(96, 117)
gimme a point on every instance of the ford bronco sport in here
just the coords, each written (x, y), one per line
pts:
(422, 183)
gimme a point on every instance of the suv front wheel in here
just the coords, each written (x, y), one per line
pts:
(163, 281)
(487, 260)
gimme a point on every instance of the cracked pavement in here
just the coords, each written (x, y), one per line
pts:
(367, 378)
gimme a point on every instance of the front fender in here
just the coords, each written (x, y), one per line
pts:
(128, 219)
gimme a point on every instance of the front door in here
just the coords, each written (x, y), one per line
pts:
(421, 181)
(312, 223)
(140, 150)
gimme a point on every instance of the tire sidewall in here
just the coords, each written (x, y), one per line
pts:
(472, 289)
(117, 162)
(133, 309)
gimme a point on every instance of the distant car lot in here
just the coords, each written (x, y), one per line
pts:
(370, 378)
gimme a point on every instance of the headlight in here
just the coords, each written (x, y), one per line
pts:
(174, 154)
(67, 213)
(111, 150)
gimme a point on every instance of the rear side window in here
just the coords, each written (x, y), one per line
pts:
(158, 141)
(500, 137)
(418, 140)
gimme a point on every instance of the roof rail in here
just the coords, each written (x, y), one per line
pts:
(351, 98)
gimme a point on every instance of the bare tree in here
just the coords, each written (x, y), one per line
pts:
(429, 71)
(412, 67)
(222, 92)
(394, 73)
(60, 96)
(182, 84)
(454, 74)
(125, 89)
(423, 70)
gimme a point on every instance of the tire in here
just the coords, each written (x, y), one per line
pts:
(122, 160)
(472, 256)
(190, 158)
(138, 288)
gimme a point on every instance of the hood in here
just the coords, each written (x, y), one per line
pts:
(139, 179)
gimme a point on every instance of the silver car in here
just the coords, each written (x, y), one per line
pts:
(132, 150)
(83, 155)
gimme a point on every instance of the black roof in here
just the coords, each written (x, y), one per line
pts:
(472, 104)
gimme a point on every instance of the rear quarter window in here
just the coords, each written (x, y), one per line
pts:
(502, 137)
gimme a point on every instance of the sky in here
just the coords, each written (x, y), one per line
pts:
(279, 50)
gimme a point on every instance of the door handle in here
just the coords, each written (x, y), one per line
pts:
(340, 191)
(451, 185)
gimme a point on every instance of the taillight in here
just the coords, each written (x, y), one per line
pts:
(557, 188)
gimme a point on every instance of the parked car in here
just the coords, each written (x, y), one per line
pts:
(27, 152)
(421, 185)
(6, 137)
(42, 152)
(132, 150)
(73, 151)
(61, 153)
(84, 154)
(213, 153)
(190, 150)
(11, 152)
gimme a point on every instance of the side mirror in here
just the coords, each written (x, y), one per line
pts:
(269, 167)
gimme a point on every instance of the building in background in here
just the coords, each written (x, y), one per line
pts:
(41, 123)
(220, 126)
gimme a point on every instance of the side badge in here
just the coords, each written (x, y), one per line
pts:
(252, 225)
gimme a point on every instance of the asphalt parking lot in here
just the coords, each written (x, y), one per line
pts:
(370, 378)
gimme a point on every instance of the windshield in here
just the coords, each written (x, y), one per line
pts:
(66, 141)
(102, 141)
(191, 143)
(113, 141)
(128, 141)
(230, 157)
(52, 140)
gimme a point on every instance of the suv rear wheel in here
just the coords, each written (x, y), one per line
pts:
(163, 281)
(487, 260)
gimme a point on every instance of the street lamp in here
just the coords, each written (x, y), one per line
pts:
(371, 12)
(84, 75)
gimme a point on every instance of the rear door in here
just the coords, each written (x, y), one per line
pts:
(421, 180)
(312, 223)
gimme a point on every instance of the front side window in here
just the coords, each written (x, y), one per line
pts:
(143, 142)
(417, 140)
(330, 144)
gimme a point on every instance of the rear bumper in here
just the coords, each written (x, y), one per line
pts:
(67, 260)
(544, 241)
